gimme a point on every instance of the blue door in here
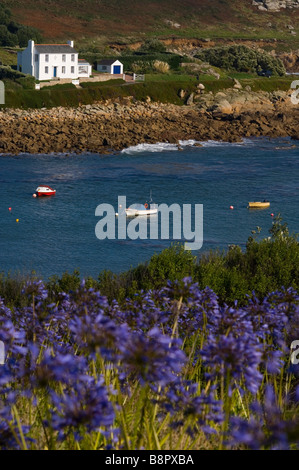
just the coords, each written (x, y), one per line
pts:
(116, 69)
(55, 72)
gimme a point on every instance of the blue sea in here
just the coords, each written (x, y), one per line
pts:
(57, 234)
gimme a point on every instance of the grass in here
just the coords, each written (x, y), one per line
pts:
(167, 90)
(178, 77)
(268, 84)
(8, 56)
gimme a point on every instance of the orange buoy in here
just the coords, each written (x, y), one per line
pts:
(231, 207)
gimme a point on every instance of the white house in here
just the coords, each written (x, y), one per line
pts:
(114, 67)
(52, 61)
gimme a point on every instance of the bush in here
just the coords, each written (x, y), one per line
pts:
(143, 66)
(152, 45)
(10, 76)
(6, 72)
(12, 33)
(160, 66)
(266, 265)
(242, 59)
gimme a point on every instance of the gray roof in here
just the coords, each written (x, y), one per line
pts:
(55, 49)
(107, 61)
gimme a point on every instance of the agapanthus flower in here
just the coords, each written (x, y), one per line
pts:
(35, 291)
(152, 357)
(85, 405)
(266, 428)
(233, 358)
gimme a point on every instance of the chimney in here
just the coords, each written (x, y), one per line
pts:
(71, 43)
(31, 45)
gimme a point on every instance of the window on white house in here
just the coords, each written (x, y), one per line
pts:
(72, 69)
(46, 69)
(63, 58)
(63, 69)
(73, 58)
(47, 57)
(36, 58)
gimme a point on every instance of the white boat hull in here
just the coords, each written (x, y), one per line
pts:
(137, 213)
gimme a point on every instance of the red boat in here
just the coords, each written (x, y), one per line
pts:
(45, 191)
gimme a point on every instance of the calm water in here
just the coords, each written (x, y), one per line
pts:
(58, 234)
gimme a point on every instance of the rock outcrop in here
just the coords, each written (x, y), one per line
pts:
(275, 5)
(110, 126)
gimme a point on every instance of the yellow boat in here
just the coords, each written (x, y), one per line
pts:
(258, 205)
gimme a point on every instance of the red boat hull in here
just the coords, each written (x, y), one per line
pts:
(39, 194)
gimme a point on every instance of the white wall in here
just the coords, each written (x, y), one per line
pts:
(28, 64)
(25, 59)
(85, 74)
(110, 68)
(55, 60)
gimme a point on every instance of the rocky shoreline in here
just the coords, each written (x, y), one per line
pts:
(113, 126)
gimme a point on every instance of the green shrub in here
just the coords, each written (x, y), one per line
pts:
(12, 33)
(266, 265)
(242, 59)
(166, 92)
(7, 72)
(152, 45)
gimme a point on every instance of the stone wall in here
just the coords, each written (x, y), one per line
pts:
(104, 77)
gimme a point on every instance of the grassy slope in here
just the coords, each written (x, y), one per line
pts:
(136, 19)
(166, 92)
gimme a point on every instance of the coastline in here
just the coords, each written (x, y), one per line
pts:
(119, 124)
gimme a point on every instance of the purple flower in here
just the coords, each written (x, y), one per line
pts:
(85, 406)
(266, 428)
(233, 358)
(152, 358)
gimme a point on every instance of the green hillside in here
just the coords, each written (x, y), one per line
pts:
(136, 19)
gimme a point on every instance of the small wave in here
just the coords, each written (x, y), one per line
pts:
(159, 147)
(220, 143)
(166, 147)
(142, 148)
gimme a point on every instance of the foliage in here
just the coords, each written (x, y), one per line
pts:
(48, 97)
(242, 59)
(169, 369)
(145, 60)
(8, 74)
(152, 45)
(161, 67)
(265, 266)
(14, 34)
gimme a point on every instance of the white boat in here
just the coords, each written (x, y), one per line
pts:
(45, 191)
(136, 210)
